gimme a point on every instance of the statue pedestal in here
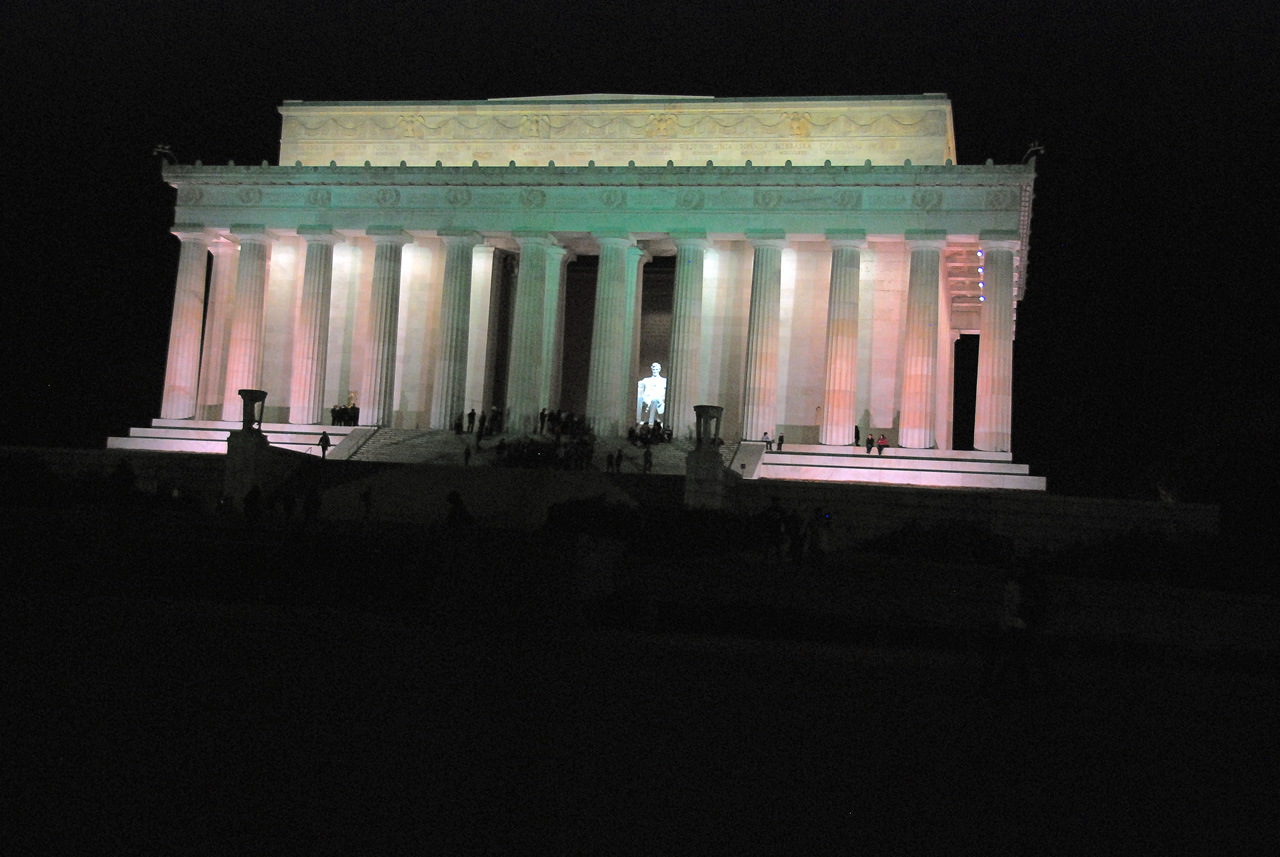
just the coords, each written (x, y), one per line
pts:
(248, 454)
(704, 479)
(703, 468)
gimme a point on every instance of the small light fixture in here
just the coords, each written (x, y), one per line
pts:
(982, 297)
(981, 284)
(981, 269)
(979, 254)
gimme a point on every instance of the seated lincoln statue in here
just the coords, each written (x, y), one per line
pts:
(651, 396)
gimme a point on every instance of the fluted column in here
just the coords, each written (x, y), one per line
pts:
(609, 347)
(524, 375)
(244, 355)
(448, 399)
(920, 351)
(760, 392)
(311, 335)
(994, 408)
(377, 394)
(636, 259)
(838, 408)
(182, 370)
(217, 331)
(686, 336)
(552, 328)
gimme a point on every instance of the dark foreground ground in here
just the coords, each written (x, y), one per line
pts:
(380, 691)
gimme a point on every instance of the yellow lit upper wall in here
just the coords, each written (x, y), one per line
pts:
(613, 130)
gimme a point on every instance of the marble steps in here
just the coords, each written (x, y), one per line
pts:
(210, 436)
(916, 467)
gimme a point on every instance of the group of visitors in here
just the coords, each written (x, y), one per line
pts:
(344, 416)
(645, 434)
(787, 535)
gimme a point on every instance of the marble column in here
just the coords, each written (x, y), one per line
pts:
(480, 360)
(838, 402)
(920, 351)
(311, 335)
(609, 347)
(636, 260)
(760, 390)
(217, 332)
(686, 336)
(994, 408)
(524, 373)
(244, 354)
(552, 328)
(448, 399)
(182, 370)
(377, 393)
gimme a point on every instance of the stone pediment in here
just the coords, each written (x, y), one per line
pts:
(621, 130)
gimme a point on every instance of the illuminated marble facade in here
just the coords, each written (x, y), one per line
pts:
(828, 255)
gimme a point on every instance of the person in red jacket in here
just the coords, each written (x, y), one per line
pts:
(881, 443)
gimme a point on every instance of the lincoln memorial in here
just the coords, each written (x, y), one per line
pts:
(808, 264)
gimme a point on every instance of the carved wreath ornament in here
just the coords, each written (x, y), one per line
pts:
(388, 197)
(927, 200)
(249, 195)
(458, 196)
(692, 199)
(768, 199)
(533, 197)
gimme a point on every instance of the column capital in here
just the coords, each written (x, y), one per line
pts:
(999, 240)
(534, 239)
(319, 234)
(926, 239)
(388, 235)
(622, 239)
(767, 239)
(254, 232)
(695, 240)
(190, 232)
(460, 237)
(220, 246)
(846, 239)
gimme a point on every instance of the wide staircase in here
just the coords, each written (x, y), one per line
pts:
(934, 468)
(211, 436)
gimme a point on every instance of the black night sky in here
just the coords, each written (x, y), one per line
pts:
(1140, 357)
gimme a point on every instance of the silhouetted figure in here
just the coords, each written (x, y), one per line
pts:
(818, 537)
(768, 442)
(324, 443)
(781, 439)
(484, 421)
(871, 441)
(773, 529)
(253, 505)
(471, 420)
(542, 420)
(458, 517)
(466, 454)
(457, 425)
(857, 436)
(648, 460)
(311, 506)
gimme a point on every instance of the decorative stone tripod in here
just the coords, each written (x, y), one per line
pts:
(247, 448)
